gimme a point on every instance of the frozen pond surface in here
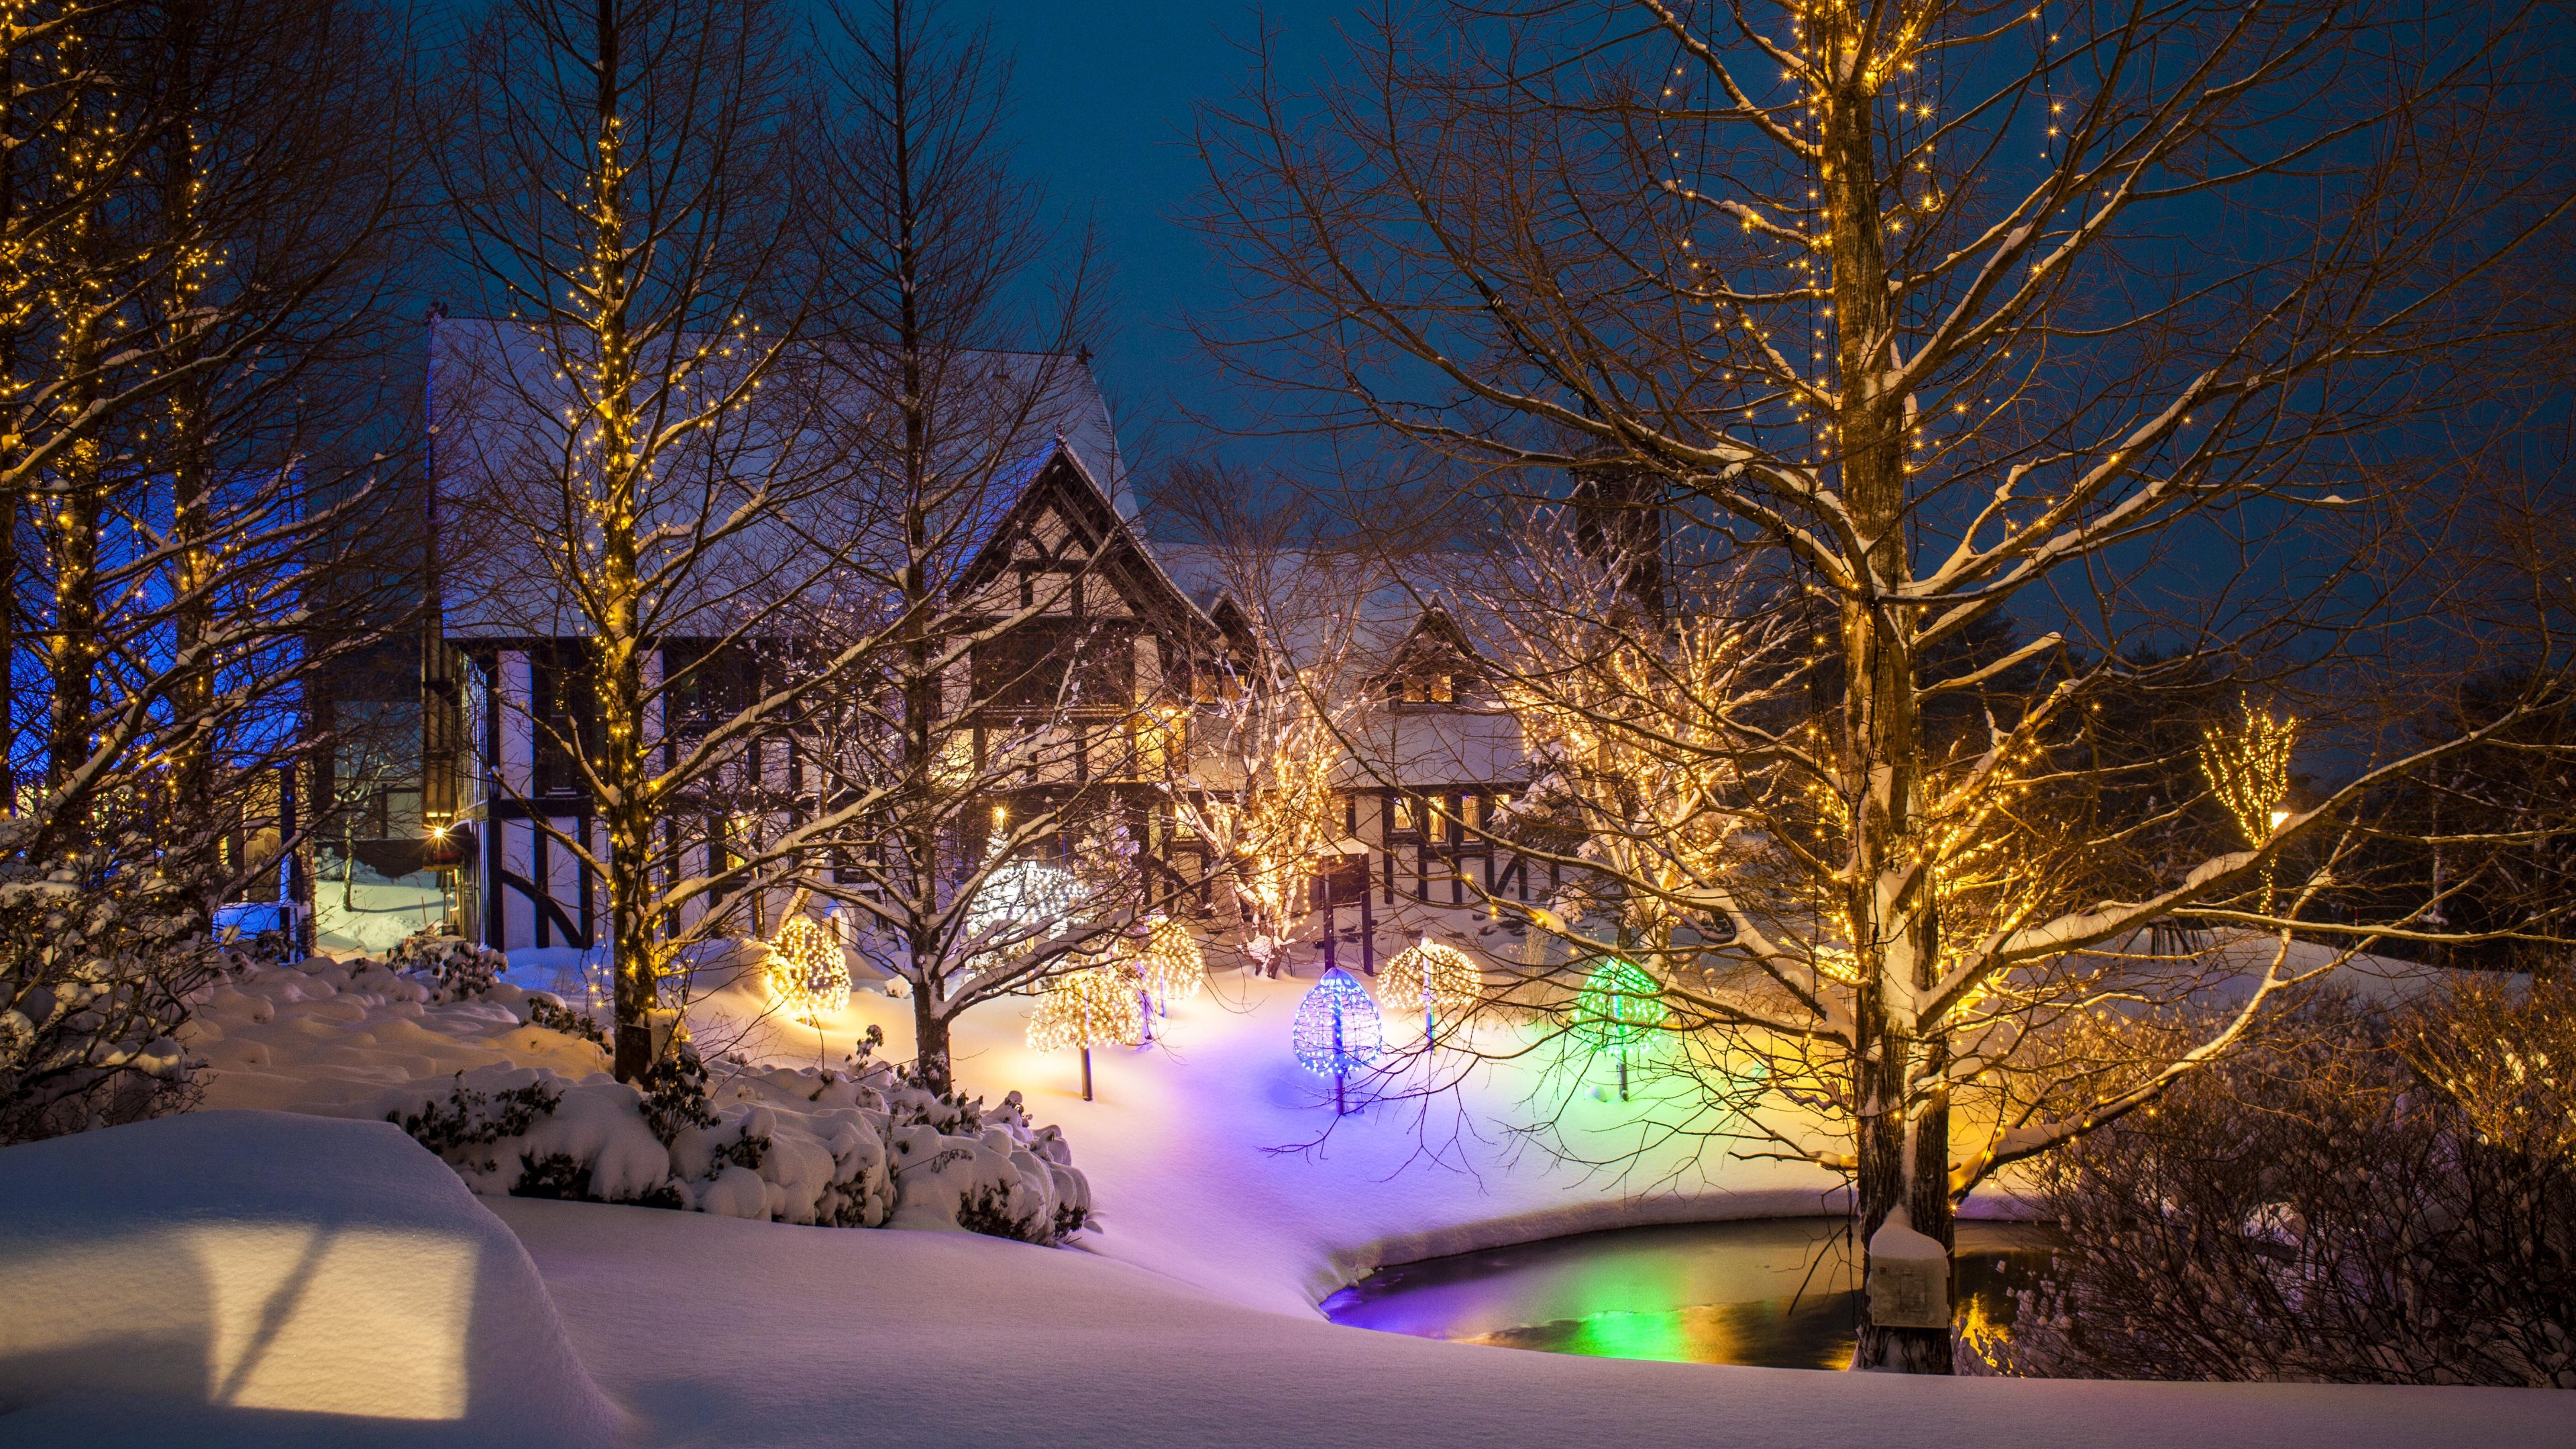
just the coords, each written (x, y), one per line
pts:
(1770, 1292)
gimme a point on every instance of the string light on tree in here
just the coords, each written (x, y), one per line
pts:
(809, 977)
(2248, 769)
(1618, 1009)
(1100, 1006)
(1337, 1030)
(1431, 976)
(1169, 963)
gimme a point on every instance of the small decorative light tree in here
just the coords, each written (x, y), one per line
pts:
(1432, 976)
(1099, 1006)
(2249, 771)
(1337, 1029)
(1619, 1007)
(808, 974)
(1169, 963)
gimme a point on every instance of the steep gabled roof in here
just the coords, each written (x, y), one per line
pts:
(1066, 486)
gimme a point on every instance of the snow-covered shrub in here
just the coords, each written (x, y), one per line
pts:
(675, 1093)
(801, 1147)
(2322, 1208)
(985, 1172)
(99, 953)
(456, 969)
(547, 1012)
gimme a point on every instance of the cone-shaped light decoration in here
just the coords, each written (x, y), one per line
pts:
(1617, 1010)
(1102, 1006)
(1170, 963)
(1337, 1029)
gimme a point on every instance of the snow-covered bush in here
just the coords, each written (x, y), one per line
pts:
(99, 953)
(2324, 1208)
(547, 1012)
(840, 1149)
(457, 969)
(959, 1165)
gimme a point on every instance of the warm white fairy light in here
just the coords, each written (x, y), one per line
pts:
(1429, 977)
(809, 976)
(1169, 963)
(1098, 1006)
(2248, 769)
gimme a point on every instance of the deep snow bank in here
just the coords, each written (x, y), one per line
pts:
(262, 1279)
(517, 1107)
(804, 1336)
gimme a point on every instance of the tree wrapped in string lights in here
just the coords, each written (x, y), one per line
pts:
(2249, 771)
(809, 975)
(1097, 1006)
(1619, 1007)
(1169, 964)
(1337, 1030)
(1432, 976)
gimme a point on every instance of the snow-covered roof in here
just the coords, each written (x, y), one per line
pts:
(505, 419)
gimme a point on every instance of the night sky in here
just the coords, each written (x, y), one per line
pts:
(1103, 94)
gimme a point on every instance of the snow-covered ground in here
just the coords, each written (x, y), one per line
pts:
(370, 914)
(259, 1279)
(1187, 1318)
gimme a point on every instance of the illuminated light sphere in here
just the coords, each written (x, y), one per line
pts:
(1024, 902)
(1429, 977)
(1170, 963)
(1100, 1006)
(1337, 1026)
(808, 975)
(1619, 1007)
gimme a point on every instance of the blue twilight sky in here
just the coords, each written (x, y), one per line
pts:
(1102, 99)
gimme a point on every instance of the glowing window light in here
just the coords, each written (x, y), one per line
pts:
(1337, 1028)
(1170, 963)
(1100, 1006)
(1432, 976)
(808, 975)
(1619, 1007)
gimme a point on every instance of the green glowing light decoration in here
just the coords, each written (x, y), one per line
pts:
(1619, 1007)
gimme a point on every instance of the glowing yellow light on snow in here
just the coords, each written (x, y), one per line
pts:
(1100, 1006)
(1430, 977)
(1169, 963)
(808, 975)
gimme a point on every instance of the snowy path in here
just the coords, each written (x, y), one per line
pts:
(735, 1335)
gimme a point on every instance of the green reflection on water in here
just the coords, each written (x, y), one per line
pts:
(1685, 1293)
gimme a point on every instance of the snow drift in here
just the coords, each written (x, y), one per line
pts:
(263, 1279)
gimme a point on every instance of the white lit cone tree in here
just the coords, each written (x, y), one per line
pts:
(1878, 298)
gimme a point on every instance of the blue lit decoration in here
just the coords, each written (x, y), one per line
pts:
(1337, 1029)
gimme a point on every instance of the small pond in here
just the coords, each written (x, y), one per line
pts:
(1769, 1292)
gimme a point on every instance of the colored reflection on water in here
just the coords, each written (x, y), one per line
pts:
(1770, 1292)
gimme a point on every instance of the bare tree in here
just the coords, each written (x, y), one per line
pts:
(1893, 299)
(203, 205)
(988, 755)
(629, 451)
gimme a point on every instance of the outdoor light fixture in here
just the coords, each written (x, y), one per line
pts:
(1100, 1006)
(808, 975)
(1619, 1007)
(1337, 1029)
